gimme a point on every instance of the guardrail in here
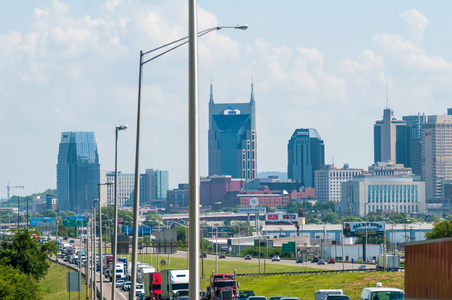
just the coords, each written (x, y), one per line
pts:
(309, 272)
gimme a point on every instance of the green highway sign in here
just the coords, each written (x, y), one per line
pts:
(288, 248)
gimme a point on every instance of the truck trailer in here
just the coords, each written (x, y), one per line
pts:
(152, 286)
(172, 281)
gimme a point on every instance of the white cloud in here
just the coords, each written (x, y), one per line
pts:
(416, 22)
(394, 44)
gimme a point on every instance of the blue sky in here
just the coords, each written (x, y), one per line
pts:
(73, 66)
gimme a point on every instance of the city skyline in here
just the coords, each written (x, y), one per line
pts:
(74, 67)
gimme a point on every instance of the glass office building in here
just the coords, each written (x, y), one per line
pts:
(78, 171)
(232, 138)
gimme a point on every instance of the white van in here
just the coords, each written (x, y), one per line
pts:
(382, 293)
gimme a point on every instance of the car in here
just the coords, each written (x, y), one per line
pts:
(257, 298)
(314, 259)
(247, 257)
(201, 255)
(275, 297)
(321, 262)
(289, 298)
(331, 261)
(126, 285)
(221, 256)
(299, 260)
(139, 295)
(181, 295)
(276, 258)
(71, 241)
(243, 295)
(119, 283)
(65, 238)
(336, 297)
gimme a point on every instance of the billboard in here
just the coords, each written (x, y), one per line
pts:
(281, 218)
(252, 210)
(357, 229)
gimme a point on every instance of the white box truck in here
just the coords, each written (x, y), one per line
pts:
(172, 281)
(142, 270)
(392, 262)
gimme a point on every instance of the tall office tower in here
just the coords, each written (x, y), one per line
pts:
(232, 138)
(153, 188)
(78, 171)
(328, 181)
(436, 140)
(415, 123)
(391, 139)
(306, 153)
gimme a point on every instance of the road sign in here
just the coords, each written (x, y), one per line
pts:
(288, 248)
(73, 282)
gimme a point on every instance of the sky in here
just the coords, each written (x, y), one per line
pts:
(329, 65)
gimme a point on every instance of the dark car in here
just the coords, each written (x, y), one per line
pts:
(65, 238)
(331, 261)
(201, 255)
(299, 260)
(315, 259)
(248, 257)
(243, 295)
(337, 297)
(321, 262)
(221, 256)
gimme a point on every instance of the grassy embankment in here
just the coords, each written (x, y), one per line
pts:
(53, 285)
(301, 286)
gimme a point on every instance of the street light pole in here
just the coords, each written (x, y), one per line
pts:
(193, 151)
(101, 269)
(114, 245)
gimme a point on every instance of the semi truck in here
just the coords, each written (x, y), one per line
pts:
(152, 286)
(392, 262)
(142, 270)
(172, 281)
(120, 272)
(221, 286)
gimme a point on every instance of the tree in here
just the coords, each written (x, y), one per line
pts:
(17, 285)
(23, 252)
(375, 240)
(330, 217)
(440, 230)
(153, 219)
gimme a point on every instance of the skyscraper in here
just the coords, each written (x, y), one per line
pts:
(392, 139)
(415, 123)
(232, 138)
(306, 153)
(436, 141)
(78, 171)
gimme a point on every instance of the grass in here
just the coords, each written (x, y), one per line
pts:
(53, 285)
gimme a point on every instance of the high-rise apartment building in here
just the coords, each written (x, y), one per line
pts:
(78, 171)
(328, 181)
(232, 138)
(392, 139)
(415, 123)
(436, 140)
(306, 153)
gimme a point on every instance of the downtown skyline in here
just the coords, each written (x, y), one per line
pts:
(74, 67)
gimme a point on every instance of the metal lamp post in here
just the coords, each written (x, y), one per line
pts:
(101, 269)
(114, 245)
(193, 150)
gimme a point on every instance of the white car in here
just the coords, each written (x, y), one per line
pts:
(380, 292)
(119, 283)
(126, 286)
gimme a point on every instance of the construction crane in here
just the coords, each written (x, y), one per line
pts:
(9, 187)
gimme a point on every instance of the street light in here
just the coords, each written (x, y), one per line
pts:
(114, 246)
(101, 269)
(193, 149)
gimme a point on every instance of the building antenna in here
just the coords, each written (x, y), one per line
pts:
(387, 99)
(333, 160)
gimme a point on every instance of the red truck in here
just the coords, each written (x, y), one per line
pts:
(152, 286)
(220, 284)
